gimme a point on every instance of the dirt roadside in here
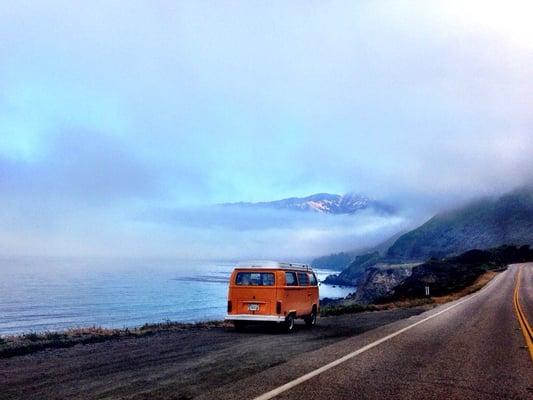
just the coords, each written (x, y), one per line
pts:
(174, 364)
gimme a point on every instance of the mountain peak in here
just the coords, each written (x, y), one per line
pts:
(324, 203)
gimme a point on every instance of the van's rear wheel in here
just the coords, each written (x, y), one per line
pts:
(239, 325)
(288, 325)
(310, 321)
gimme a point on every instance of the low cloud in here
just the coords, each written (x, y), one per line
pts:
(236, 232)
(119, 131)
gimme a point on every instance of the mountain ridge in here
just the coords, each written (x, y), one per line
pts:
(482, 224)
(486, 223)
(323, 203)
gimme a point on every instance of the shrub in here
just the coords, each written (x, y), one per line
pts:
(32, 336)
(345, 309)
(53, 336)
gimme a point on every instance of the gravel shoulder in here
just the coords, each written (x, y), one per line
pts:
(178, 364)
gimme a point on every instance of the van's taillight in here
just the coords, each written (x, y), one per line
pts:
(229, 306)
(278, 307)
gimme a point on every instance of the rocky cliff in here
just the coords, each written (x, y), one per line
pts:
(379, 281)
(355, 271)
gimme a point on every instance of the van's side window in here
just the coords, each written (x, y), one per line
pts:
(290, 279)
(313, 279)
(303, 279)
(255, 279)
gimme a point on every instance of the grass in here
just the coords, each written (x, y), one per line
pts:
(31, 342)
(478, 284)
(352, 307)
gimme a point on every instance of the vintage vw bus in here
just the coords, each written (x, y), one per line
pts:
(272, 292)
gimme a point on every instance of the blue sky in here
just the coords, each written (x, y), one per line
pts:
(112, 111)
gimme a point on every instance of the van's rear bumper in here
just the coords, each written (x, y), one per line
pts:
(254, 317)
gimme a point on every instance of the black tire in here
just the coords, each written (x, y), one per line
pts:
(240, 326)
(310, 321)
(288, 325)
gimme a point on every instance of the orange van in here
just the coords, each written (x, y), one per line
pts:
(272, 292)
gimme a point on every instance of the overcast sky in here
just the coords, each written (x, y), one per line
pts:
(112, 111)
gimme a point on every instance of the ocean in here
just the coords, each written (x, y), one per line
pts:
(48, 294)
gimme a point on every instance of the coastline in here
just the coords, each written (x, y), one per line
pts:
(28, 343)
(69, 294)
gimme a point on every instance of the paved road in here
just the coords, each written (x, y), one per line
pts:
(474, 350)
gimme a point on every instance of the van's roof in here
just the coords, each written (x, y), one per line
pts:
(274, 265)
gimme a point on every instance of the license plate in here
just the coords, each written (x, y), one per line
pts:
(253, 307)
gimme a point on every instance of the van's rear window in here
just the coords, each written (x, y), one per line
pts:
(255, 279)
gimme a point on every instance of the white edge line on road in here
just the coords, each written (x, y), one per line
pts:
(318, 371)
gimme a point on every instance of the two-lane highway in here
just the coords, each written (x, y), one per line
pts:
(473, 348)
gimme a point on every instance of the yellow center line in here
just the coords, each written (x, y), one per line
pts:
(522, 320)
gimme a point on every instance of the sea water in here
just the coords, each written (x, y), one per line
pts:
(40, 294)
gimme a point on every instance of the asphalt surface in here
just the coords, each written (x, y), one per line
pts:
(474, 350)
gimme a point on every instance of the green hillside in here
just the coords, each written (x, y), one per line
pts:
(486, 223)
(340, 261)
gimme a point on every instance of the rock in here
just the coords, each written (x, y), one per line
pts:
(336, 280)
(351, 275)
(379, 281)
